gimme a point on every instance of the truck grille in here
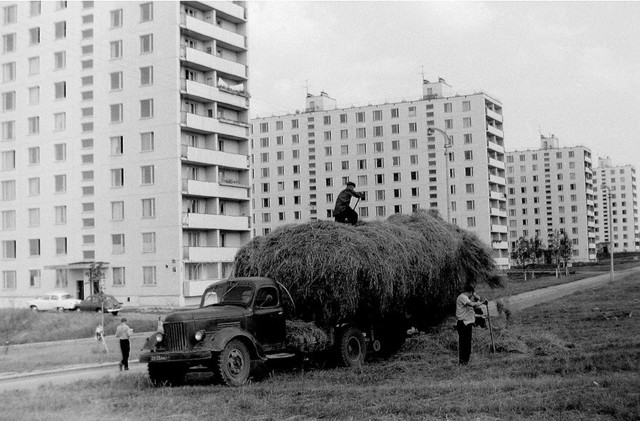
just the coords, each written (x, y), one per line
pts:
(175, 336)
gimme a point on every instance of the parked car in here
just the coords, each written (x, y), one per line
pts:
(94, 303)
(56, 300)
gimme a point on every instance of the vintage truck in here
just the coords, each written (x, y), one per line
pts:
(245, 320)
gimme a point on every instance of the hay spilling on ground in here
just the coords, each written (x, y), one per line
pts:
(415, 264)
(306, 337)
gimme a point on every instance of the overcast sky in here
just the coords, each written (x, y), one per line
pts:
(566, 68)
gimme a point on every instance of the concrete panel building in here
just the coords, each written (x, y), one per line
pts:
(125, 140)
(442, 151)
(550, 190)
(616, 207)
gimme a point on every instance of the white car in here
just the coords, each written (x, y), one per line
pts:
(57, 301)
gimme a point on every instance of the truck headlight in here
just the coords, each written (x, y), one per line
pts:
(159, 337)
(199, 335)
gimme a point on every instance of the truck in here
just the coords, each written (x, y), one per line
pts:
(248, 320)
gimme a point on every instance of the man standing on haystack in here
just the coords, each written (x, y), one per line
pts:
(342, 211)
(466, 318)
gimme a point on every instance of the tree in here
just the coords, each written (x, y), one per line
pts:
(536, 249)
(553, 242)
(521, 254)
(566, 251)
(96, 277)
(13, 325)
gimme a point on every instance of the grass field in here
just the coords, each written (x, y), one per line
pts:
(576, 358)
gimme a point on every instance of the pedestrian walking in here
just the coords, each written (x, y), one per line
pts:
(124, 332)
(466, 316)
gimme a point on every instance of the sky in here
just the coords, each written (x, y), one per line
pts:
(571, 69)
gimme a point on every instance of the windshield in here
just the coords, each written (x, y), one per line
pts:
(232, 292)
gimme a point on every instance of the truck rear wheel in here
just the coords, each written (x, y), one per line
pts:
(234, 364)
(166, 374)
(353, 348)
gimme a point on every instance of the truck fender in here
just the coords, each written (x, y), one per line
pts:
(223, 336)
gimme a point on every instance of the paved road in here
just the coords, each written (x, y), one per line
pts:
(33, 380)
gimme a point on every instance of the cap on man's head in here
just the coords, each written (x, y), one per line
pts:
(351, 183)
(123, 320)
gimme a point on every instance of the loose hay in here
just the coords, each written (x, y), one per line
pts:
(411, 265)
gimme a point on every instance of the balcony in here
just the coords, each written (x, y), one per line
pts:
(209, 30)
(494, 115)
(211, 189)
(500, 245)
(206, 61)
(499, 228)
(209, 254)
(498, 212)
(493, 146)
(232, 128)
(211, 222)
(194, 155)
(494, 131)
(496, 164)
(502, 262)
(497, 179)
(497, 195)
(232, 10)
(204, 92)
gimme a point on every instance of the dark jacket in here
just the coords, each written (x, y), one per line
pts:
(344, 200)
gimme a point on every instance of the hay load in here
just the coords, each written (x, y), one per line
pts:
(409, 265)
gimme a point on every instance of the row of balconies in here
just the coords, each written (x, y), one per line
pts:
(213, 189)
(209, 30)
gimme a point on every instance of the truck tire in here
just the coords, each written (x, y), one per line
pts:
(166, 374)
(352, 348)
(234, 364)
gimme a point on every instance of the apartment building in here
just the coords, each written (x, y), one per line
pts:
(442, 151)
(616, 207)
(125, 140)
(550, 190)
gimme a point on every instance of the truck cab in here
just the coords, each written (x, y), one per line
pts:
(239, 320)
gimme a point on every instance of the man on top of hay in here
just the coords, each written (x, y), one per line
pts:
(342, 211)
(466, 318)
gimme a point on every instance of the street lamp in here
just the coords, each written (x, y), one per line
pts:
(447, 145)
(610, 230)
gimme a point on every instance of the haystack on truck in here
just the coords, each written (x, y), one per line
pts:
(317, 290)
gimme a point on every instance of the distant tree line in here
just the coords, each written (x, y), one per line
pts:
(529, 252)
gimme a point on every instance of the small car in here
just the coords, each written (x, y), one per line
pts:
(95, 303)
(56, 300)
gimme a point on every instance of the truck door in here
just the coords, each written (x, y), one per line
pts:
(269, 320)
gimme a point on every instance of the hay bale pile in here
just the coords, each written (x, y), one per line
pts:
(411, 265)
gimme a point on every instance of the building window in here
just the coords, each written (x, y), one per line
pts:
(34, 277)
(9, 43)
(471, 221)
(146, 12)
(116, 18)
(117, 177)
(148, 242)
(117, 243)
(116, 49)
(60, 29)
(8, 190)
(148, 174)
(9, 249)
(146, 142)
(61, 245)
(8, 162)
(8, 130)
(413, 127)
(117, 211)
(8, 279)
(149, 275)
(8, 220)
(60, 183)
(466, 122)
(146, 108)
(448, 107)
(60, 90)
(448, 124)
(149, 208)
(116, 113)
(61, 215)
(8, 101)
(466, 105)
(146, 43)
(118, 276)
(146, 75)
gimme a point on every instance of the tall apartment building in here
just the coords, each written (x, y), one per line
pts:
(550, 190)
(621, 201)
(394, 152)
(125, 140)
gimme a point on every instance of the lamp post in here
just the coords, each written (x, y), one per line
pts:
(611, 273)
(448, 143)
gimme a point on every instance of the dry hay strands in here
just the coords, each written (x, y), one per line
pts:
(413, 263)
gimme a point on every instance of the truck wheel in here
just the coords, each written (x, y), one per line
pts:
(234, 364)
(166, 374)
(353, 348)
(34, 309)
(60, 309)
